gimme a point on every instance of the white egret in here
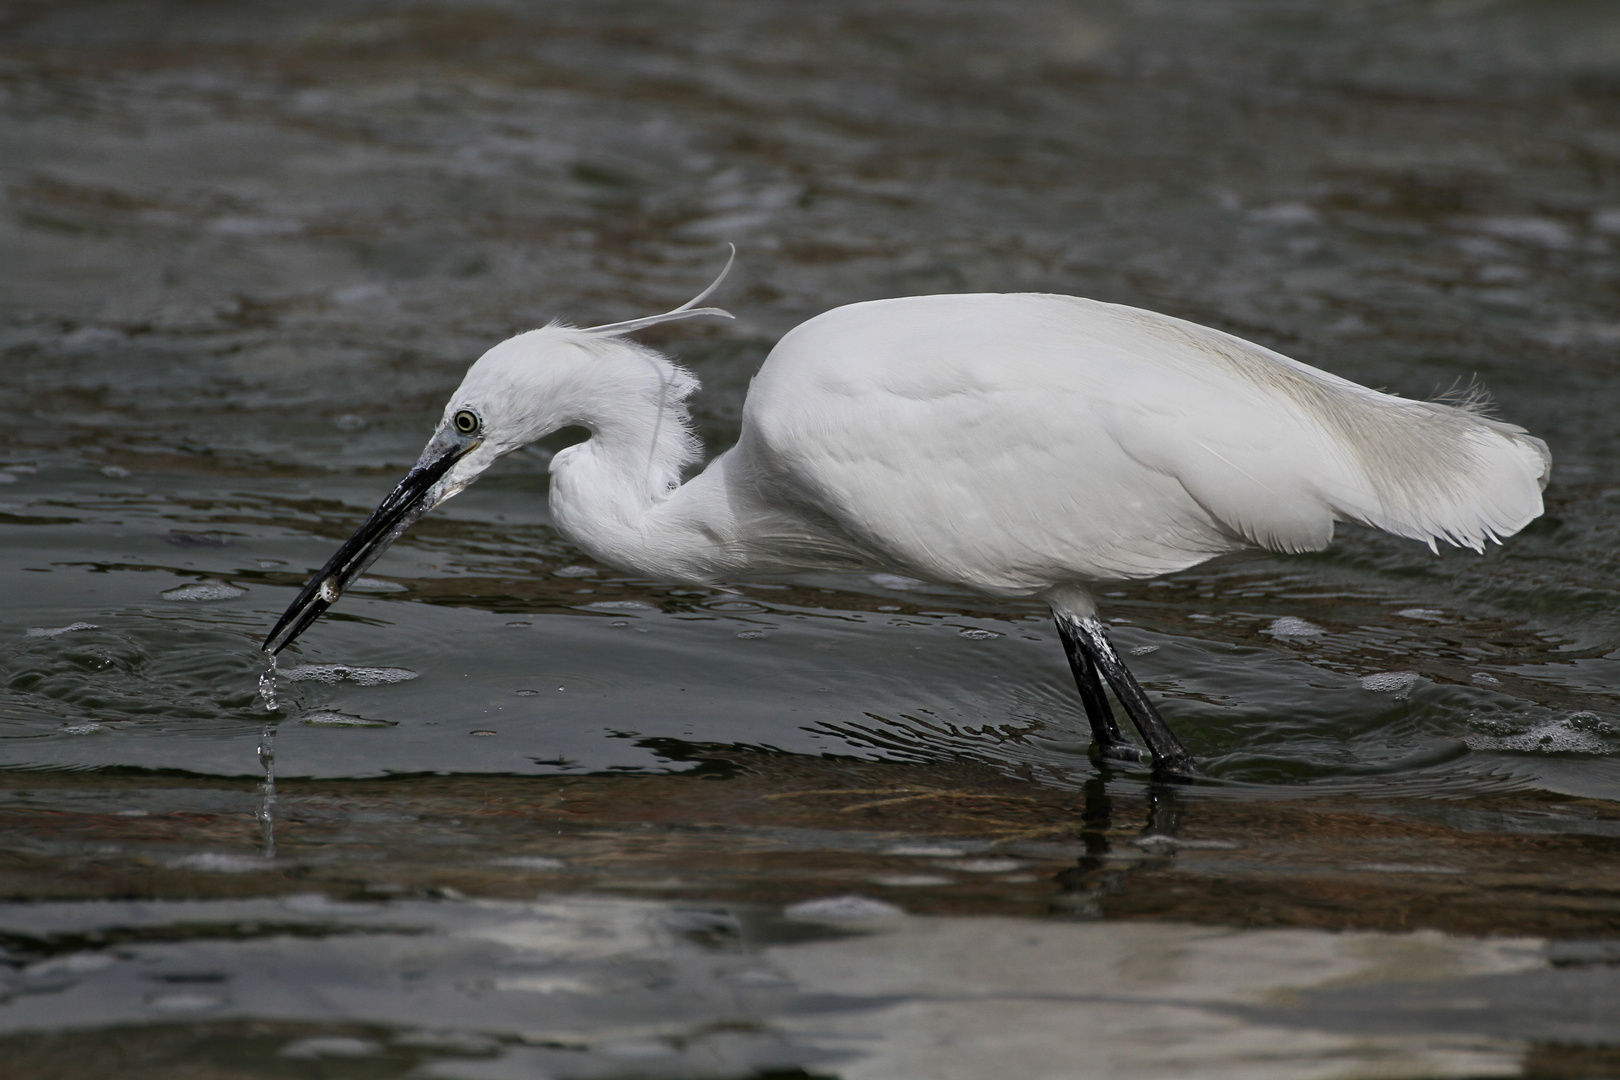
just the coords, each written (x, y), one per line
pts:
(1018, 445)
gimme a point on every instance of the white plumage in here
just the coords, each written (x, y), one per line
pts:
(1014, 444)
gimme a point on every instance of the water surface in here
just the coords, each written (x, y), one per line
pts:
(248, 252)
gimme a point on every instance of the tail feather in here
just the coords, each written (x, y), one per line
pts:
(1437, 472)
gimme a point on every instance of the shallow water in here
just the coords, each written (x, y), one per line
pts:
(248, 252)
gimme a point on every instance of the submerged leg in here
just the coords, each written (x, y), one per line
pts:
(1084, 634)
(1168, 753)
(1111, 742)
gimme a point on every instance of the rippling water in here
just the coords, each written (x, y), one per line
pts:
(248, 251)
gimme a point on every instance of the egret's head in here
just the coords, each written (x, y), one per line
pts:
(524, 388)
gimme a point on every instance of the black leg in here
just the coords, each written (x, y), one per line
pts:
(1111, 742)
(1168, 754)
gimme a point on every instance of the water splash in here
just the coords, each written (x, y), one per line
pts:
(267, 757)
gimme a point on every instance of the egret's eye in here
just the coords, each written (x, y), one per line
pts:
(466, 422)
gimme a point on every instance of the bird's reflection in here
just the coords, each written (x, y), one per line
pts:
(1096, 874)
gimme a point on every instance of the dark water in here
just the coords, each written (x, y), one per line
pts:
(247, 250)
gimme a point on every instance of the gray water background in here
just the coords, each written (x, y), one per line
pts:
(246, 251)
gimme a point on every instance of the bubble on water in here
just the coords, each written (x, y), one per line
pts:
(897, 583)
(1427, 614)
(53, 631)
(1140, 650)
(83, 963)
(530, 862)
(528, 693)
(186, 1001)
(925, 851)
(1290, 626)
(851, 908)
(328, 718)
(336, 673)
(983, 866)
(975, 634)
(220, 862)
(575, 571)
(1483, 679)
(1586, 720)
(909, 881)
(371, 584)
(751, 635)
(318, 1046)
(349, 422)
(114, 472)
(203, 590)
(81, 729)
(620, 605)
(1579, 733)
(483, 732)
(1385, 682)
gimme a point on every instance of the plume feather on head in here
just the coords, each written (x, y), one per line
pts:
(685, 311)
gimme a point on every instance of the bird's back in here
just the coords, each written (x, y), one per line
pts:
(1009, 442)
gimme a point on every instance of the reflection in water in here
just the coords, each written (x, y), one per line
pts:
(251, 247)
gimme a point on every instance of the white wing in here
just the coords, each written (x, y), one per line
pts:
(1011, 442)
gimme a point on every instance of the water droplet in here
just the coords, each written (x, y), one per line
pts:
(751, 635)
(620, 605)
(528, 693)
(1290, 626)
(1143, 650)
(1429, 614)
(1483, 679)
(482, 732)
(575, 571)
(975, 634)
(114, 472)
(80, 729)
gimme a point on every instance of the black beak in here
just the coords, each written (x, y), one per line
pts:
(405, 505)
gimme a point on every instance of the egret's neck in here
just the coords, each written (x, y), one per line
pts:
(618, 494)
